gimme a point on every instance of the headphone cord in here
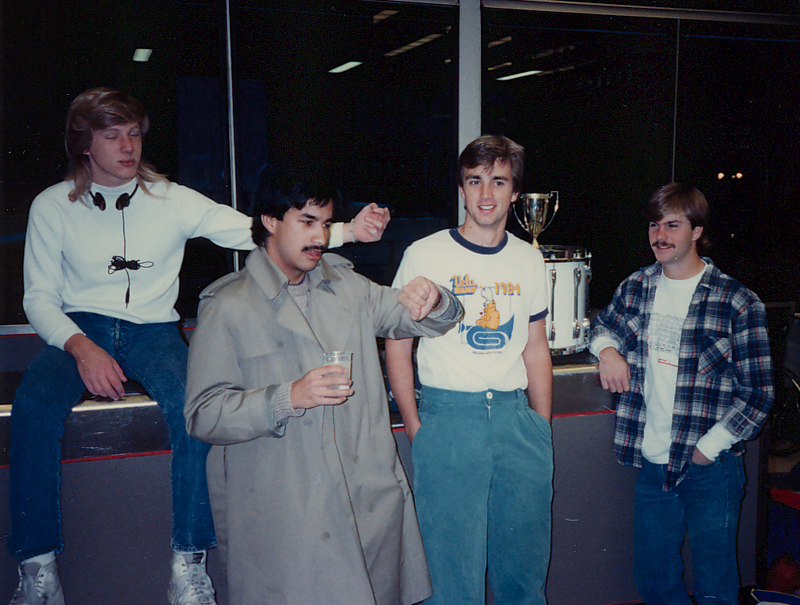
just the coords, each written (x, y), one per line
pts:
(119, 263)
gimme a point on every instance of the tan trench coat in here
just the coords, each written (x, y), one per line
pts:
(318, 512)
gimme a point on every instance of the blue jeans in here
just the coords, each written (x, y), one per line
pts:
(154, 355)
(707, 503)
(483, 488)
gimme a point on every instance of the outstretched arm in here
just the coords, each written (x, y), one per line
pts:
(420, 296)
(368, 225)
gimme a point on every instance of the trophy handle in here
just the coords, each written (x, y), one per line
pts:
(553, 195)
(519, 220)
(524, 224)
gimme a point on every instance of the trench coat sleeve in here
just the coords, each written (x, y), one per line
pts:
(219, 410)
(392, 320)
(225, 407)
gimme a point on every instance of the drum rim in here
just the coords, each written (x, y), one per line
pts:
(559, 252)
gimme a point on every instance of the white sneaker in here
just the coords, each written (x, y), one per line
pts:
(190, 584)
(38, 585)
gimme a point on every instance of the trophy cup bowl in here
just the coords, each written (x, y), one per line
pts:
(534, 209)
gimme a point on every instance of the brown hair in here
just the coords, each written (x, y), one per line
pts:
(94, 110)
(487, 150)
(680, 198)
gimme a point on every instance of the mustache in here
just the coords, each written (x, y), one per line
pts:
(661, 243)
(315, 249)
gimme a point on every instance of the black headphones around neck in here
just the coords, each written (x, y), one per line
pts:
(123, 201)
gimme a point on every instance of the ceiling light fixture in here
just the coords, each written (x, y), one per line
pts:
(383, 15)
(344, 67)
(520, 75)
(142, 55)
(499, 42)
(408, 47)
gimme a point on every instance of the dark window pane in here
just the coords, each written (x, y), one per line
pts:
(738, 139)
(385, 127)
(596, 122)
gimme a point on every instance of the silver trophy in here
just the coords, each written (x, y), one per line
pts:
(534, 206)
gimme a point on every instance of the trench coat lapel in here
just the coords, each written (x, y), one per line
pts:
(275, 286)
(331, 318)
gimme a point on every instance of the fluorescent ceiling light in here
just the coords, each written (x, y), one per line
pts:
(552, 51)
(142, 55)
(499, 42)
(506, 64)
(383, 15)
(521, 75)
(344, 67)
(408, 47)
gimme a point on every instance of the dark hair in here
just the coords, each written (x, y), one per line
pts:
(94, 110)
(281, 187)
(680, 198)
(486, 151)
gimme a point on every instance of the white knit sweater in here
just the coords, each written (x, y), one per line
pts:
(69, 247)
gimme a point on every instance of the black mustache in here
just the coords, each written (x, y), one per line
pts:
(312, 248)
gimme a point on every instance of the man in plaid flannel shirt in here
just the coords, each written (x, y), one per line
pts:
(685, 348)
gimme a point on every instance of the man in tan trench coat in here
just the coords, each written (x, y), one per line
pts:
(310, 500)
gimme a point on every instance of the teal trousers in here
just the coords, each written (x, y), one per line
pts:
(483, 488)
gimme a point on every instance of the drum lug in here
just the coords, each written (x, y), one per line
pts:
(553, 277)
(576, 329)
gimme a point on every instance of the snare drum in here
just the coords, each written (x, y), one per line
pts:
(568, 270)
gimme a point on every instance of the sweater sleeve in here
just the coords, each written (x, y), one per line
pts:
(226, 226)
(44, 276)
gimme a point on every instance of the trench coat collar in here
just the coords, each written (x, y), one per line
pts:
(327, 329)
(272, 280)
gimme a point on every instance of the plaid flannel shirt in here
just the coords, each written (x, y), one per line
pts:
(724, 371)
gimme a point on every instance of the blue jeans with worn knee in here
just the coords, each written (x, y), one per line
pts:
(155, 355)
(483, 488)
(706, 503)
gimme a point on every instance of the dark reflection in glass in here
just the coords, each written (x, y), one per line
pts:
(596, 121)
(737, 138)
(384, 127)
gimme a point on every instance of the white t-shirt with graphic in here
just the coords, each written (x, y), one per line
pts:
(670, 307)
(502, 289)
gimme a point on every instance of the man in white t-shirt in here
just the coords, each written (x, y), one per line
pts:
(481, 438)
(685, 347)
(103, 251)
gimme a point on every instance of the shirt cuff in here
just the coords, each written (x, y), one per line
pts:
(336, 239)
(715, 441)
(448, 308)
(600, 343)
(282, 405)
(443, 304)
